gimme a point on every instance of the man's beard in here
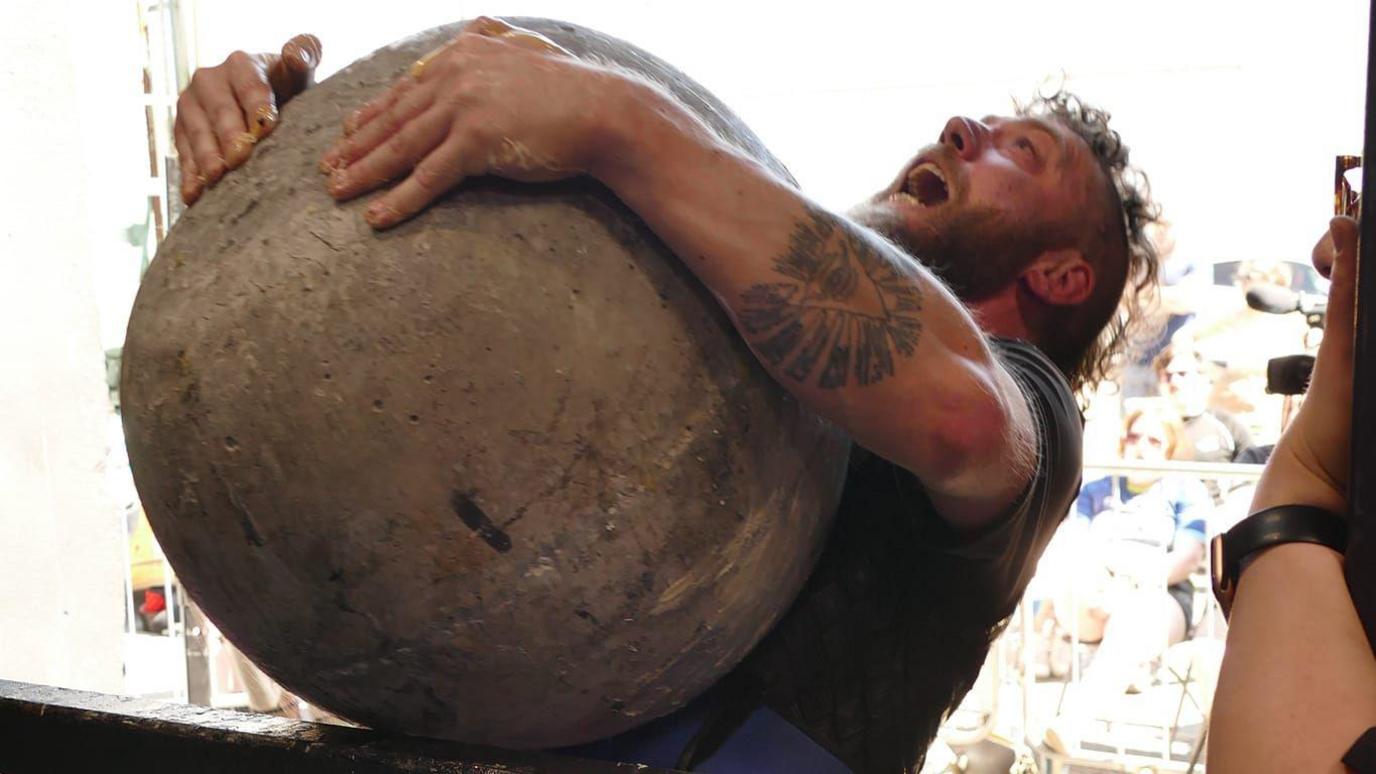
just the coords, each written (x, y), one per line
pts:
(976, 251)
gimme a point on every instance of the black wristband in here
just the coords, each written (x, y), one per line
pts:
(1266, 528)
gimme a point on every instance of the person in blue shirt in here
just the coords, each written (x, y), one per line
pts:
(1142, 537)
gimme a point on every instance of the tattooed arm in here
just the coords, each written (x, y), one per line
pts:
(855, 328)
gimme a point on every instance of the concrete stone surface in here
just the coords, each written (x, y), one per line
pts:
(504, 474)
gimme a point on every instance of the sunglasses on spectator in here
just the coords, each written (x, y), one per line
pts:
(1144, 438)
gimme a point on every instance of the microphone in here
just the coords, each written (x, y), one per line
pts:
(1274, 299)
(1289, 375)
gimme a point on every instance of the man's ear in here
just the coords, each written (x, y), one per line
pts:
(1060, 277)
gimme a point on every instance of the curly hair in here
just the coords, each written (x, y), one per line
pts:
(1086, 341)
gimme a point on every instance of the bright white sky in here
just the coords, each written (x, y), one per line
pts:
(1236, 112)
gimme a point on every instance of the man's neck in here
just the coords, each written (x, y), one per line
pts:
(999, 316)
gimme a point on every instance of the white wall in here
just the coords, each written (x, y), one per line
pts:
(1235, 108)
(63, 169)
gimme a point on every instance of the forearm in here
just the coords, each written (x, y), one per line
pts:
(1298, 684)
(859, 331)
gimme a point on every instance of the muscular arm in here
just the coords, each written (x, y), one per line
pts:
(852, 326)
(856, 329)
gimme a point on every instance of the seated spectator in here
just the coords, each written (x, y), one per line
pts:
(1143, 535)
(1210, 435)
(1237, 341)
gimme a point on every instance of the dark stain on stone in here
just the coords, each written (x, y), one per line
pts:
(475, 519)
(252, 533)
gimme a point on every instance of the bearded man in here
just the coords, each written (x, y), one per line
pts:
(945, 323)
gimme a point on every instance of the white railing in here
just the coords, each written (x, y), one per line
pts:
(1015, 705)
(1215, 470)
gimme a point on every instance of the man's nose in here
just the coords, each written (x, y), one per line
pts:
(964, 136)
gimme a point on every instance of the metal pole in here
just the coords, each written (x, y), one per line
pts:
(199, 684)
(1361, 552)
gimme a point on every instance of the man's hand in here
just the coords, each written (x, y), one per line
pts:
(229, 108)
(1310, 463)
(496, 100)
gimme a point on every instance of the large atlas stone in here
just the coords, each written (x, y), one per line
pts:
(504, 474)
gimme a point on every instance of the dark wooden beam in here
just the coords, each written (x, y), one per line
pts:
(1361, 552)
(46, 729)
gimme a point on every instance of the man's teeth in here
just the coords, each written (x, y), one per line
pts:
(926, 185)
(926, 166)
(906, 198)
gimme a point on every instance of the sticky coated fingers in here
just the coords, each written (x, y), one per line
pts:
(248, 80)
(364, 115)
(525, 38)
(302, 52)
(440, 171)
(380, 128)
(294, 70)
(392, 158)
(192, 183)
(201, 139)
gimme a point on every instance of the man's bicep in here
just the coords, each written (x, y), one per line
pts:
(856, 329)
(846, 321)
(1054, 445)
(841, 309)
(1002, 466)
(873, 340)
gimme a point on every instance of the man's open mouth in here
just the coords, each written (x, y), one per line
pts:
(924, 185)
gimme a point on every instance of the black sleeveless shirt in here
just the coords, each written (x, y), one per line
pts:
(892, 627)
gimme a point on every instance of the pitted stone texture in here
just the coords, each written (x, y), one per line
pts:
(503, 474)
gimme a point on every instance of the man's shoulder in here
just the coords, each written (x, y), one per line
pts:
(1047, 392)
(1007, 548)
(1055, 485)
(1024, 355)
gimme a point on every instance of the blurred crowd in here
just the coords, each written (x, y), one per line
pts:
(1125, 582)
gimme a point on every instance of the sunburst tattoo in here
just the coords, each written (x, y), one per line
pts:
(844, 309)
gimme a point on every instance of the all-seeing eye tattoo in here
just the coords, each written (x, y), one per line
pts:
(841, 310)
